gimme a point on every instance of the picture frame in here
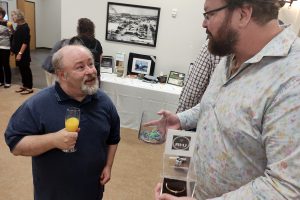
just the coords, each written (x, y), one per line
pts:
(107, 65)
(140, 64)
(176, 78)
(133, 24)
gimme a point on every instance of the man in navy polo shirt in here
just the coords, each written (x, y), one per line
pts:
(37, 129)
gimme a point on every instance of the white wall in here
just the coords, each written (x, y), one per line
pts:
(48, 22)
(12, 5)
(291, 15)
(179, 39)
(178, 42)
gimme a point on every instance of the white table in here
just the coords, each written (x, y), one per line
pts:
(133, 96)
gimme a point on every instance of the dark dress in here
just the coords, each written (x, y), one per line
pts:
(22, 36)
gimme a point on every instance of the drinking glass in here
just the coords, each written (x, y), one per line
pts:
(72, 123)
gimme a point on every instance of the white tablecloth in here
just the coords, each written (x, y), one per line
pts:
(132, 97)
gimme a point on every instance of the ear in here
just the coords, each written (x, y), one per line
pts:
(61, 75)
(245, 14)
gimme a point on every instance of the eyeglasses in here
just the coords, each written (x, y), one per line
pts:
(208, 14)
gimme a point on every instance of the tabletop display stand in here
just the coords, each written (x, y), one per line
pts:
(178, 172)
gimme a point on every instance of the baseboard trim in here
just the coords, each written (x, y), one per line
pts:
(44, 48)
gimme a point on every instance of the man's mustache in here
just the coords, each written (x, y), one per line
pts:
(208, 33)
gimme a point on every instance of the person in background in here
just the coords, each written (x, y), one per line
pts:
(6, 30)
(56, 174)
(47, 64)
(198, 79)
(248, 141)
(20, 47)
(86, 36)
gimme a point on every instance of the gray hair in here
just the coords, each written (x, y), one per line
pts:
(57, 60)
(19, 15)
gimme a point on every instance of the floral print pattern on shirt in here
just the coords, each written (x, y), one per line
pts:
(248, 142)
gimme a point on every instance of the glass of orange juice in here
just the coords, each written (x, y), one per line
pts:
(72, 123)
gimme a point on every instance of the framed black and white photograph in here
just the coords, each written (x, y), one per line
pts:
(4, 5)
(134, 24)
(140, 64)
(176, 78)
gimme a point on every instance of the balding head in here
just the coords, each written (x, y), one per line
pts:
(75, 70)
(68, 52)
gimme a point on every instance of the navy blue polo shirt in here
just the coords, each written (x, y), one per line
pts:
(58, 175)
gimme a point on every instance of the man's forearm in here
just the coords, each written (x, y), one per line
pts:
(189, 118)
(34, 145)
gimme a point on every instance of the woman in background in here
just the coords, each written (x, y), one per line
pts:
(5, 33)
(86, 37)
(20, 48)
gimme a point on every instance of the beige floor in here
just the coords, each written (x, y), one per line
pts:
(135, 172)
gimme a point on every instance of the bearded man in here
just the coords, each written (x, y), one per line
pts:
(37, 129)
(248, 130)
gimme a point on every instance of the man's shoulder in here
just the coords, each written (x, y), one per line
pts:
(103, 97)
(41, 95)
(101, 94)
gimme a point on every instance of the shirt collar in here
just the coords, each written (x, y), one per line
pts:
(279, 46)
(62, 96)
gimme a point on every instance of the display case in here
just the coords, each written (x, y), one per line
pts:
(178, 170)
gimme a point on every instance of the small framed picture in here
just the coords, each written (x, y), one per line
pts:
(140, 64)
(107, 65)
(176, 78)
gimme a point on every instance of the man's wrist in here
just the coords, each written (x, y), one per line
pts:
(20, 53)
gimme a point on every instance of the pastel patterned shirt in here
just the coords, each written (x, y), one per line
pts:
(248, 125)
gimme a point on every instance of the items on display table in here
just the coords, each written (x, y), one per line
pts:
(162, 78)
(179, 177)
(120, 61)
(150, 79)
(107, 64)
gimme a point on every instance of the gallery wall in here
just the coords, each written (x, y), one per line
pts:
(178, 42)
(48, 22)
(179, 39)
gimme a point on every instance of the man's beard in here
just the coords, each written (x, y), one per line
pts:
(226, 41)
(89, 90)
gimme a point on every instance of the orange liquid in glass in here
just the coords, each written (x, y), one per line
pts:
(72, 124)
